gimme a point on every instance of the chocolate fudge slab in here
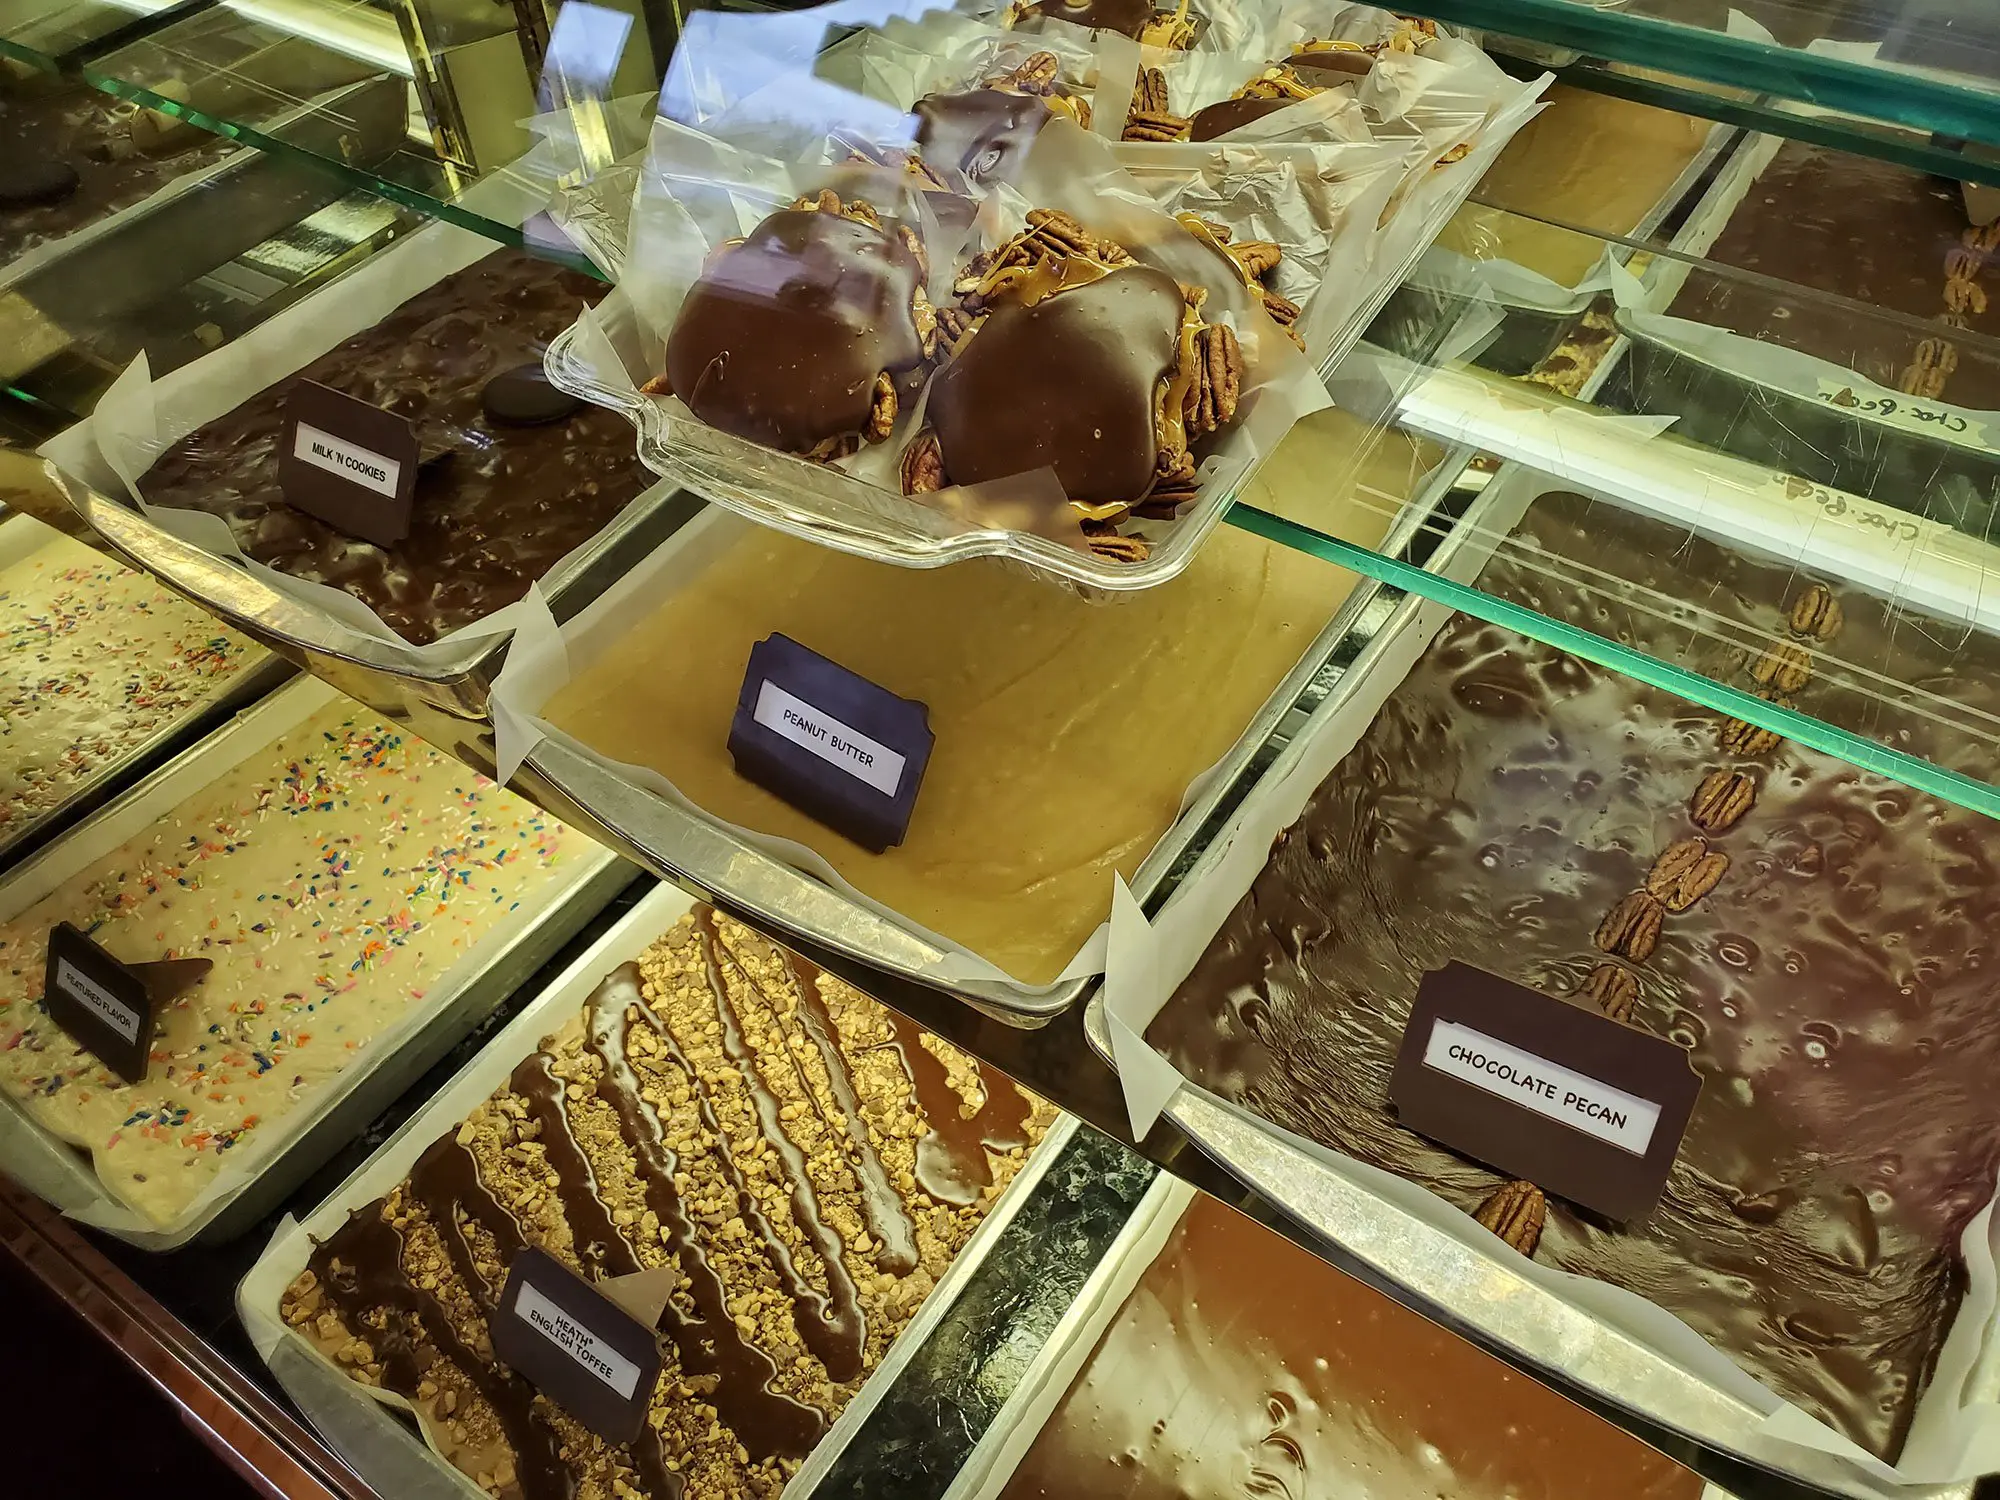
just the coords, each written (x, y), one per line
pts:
(1833, 989)
(500, 505)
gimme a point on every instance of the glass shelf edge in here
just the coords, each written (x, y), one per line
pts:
(1876, 93)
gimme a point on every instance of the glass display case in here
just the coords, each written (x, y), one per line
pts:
(1566, 459)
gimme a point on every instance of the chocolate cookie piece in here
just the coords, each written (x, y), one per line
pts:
(784, 337)
(983, 134)
(523, 397)
(1233, 114)
(35, 182)
(1071, 382)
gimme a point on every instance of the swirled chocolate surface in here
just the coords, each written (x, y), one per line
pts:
(981, 133)
(1834, 990)
(781, 339)
(1070, 382)
(1241, 1366)
(490, 517)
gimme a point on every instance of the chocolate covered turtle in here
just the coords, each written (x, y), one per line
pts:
(1171, 27)
(796, 336)
(982, 133)
(1067, 353)
(1314, 66)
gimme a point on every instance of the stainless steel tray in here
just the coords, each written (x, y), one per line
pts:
(19, 537)
(368, 1431)
(488, 973)
(1476, 1294)
(730, 872)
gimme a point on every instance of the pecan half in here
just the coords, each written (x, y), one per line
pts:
(923, 464)
(1167, 499)
(881, 410)
(1034, 76)
(1817, 613)
(1258, 258)
(1109, 544)
(1218, 384)
(1741, 737)
(1631, 929)
(1150, 92)
(1516, 1212)
(1686, 871)
(1721, 800)
(1613, 990)
(1156, 125)
(1784, 667)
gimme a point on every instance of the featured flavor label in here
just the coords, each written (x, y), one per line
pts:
(347, 463)
(122, 1018)
(1544, 1089)
(839, 748)
(1565, 1096)
(576, 1346)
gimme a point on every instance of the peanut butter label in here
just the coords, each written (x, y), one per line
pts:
(349, 464)
(576, 1346)
(839, 748)
(1585, 1107)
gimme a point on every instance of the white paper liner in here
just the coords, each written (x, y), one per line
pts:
(60, 1173)
(699, 192)
(138, 418)
(1954, 1437)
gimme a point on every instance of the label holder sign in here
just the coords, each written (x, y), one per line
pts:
(841, 749)
(109, 1008)
(351, 465)
(1584, 1107)
(576, 1346)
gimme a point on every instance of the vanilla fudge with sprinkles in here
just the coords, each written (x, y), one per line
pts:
(332, 878)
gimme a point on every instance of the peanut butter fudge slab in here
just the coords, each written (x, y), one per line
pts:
(807, 1160)
(1506, 803)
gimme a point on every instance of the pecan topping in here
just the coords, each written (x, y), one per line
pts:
(1035, 76)
(1783, 667)
(1258, 258)
(1721, 800)
(1685, 872)
(1740, 737)
(1156, 125)
(1218, 383)
(1150, 92)
(1631, 929)
(1516, 1212)
(882, 413)
(923, 465)
(1613, 990)
(1109, 544)
(1816, 613)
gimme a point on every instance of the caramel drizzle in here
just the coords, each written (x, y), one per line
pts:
(951, 1156)
(767, 1423)
(888, 1217)
(361, 1267)
(829, 1323)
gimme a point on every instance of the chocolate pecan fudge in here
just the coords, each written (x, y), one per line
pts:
(809, 1162)
(1815, 934)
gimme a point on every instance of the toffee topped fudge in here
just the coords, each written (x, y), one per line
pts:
(809, 1161)
(1815, 934)
(1241, 1364)
(508, 488)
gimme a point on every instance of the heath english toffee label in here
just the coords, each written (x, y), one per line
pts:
(352, 465)
(836, 746)
(576, 1346)
(1585, 1107)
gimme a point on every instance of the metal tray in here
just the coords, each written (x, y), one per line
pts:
(1528, 333)
(487, 972)
(20, 538)
(366, 1429)
(453, 676)
(1478, 1295)
(731, 872)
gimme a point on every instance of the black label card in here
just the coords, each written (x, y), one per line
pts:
(110, 1008)
(1584, 1107)
(831, 743)
(576, 1346)
(352, 465)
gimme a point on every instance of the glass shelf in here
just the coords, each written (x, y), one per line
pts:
(1928, 65)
